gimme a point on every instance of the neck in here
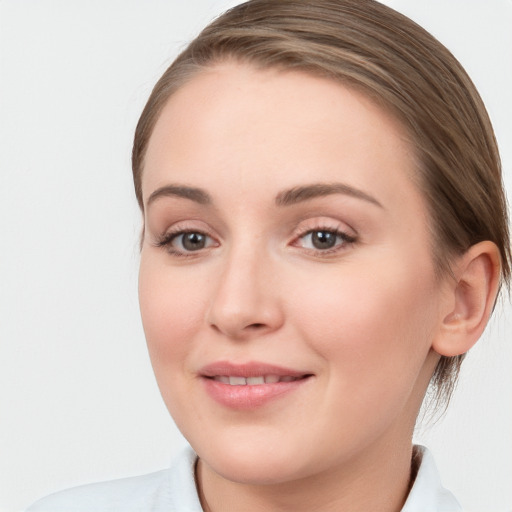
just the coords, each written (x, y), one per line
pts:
(377, 480)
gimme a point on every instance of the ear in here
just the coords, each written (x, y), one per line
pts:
(470, 299)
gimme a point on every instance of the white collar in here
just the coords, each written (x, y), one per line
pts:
(174, 489)
(427, 493)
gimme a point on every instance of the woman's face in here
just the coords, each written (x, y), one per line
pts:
(287, 287)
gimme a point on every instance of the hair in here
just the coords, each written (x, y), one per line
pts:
(370, 47)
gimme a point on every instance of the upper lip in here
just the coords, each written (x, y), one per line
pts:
(249, 369)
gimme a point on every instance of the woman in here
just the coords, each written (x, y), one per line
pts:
(325, 233)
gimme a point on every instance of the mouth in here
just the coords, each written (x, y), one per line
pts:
(254, 381)
(250, 374)
(250, 385)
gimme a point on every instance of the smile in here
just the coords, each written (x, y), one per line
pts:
(253, 381)
(251, 385)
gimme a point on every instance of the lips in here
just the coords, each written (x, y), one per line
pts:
(250, 369)
(250, 385)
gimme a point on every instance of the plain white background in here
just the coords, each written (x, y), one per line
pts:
(78, 401)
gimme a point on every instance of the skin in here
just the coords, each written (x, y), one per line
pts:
(363, 317)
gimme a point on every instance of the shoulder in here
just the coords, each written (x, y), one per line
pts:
(126, 494)
(167, 490)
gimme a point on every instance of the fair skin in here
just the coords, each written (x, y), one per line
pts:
(335, 283)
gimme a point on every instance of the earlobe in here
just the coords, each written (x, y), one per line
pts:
(472, 298)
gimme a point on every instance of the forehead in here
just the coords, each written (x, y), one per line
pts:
(235, 121)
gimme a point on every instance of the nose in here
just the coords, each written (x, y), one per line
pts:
(245, 303)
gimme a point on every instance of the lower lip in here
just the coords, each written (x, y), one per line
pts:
(250, 397)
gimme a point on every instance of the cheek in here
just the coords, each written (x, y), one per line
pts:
(370, 330)
(171, 307)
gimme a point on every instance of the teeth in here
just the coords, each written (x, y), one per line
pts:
(237, 381)
(253, 381)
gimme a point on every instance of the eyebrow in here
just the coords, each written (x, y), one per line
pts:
(197, 195)
(286, 198)
(307, 192)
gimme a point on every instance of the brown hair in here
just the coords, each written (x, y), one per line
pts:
(366, 45)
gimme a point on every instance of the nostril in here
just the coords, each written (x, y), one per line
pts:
(255, 326)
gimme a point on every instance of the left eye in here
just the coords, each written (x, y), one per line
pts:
(323, 239)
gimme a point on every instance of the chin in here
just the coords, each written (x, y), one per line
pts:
(256, 471)
(256, 463)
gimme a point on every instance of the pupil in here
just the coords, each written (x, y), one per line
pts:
(193, 241)
(323, 239)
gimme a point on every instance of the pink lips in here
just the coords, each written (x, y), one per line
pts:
(249, 385)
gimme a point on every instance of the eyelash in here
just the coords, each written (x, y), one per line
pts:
(168, 238)
(346, 239)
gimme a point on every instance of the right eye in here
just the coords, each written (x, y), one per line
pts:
(190, 241)
(183, 243)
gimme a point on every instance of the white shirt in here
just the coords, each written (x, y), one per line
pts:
(174, 490)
